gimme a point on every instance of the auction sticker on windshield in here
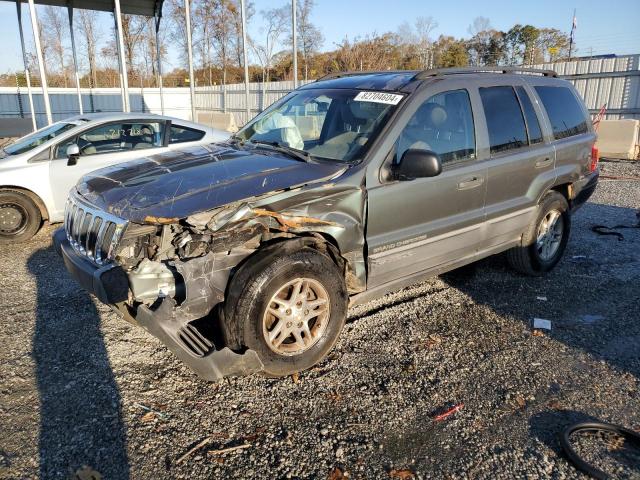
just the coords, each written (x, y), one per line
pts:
(378, 97)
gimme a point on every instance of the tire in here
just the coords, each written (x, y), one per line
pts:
(20, 217)
(278, 274)
(530, 257)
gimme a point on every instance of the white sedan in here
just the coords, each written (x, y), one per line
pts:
(38, 170)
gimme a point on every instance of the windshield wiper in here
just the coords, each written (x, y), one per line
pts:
(292, 152)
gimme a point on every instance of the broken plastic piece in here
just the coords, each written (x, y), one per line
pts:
(447, 413)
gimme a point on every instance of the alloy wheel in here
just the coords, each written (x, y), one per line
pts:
(296, 317)
(549, 235)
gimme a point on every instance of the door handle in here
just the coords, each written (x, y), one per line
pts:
(471, 182)
(545, 162)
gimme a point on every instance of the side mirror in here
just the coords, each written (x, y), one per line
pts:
(73, 152)
(416, 163)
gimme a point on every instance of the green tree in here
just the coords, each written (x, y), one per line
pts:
(450, 52)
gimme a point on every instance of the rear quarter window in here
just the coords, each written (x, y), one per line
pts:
(565, 113)
(180, 134)
(533, 126)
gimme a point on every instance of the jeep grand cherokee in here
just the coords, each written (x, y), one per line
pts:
(244, 256)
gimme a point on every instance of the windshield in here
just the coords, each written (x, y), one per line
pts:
(332, 124)
(37, 138)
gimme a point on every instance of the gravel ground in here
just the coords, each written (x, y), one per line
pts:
(82, 391)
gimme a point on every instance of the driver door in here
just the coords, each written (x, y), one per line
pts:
(103, 146)
(418, 225)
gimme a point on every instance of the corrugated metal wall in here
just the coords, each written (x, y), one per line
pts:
(614, 82)
(64, 102)
(231, 98)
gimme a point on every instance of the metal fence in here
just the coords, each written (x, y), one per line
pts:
(231, 98)
(14, 102)
(612, 82)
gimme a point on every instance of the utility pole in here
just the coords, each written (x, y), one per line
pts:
(243, 12)
(192, 87)
(574, 24)
(295, 43)
(43, 73)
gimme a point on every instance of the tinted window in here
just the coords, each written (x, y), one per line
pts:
(181, 134)
(37, 138)
(566, 116)
(504, 118)
(116, 137)
(442, 124)
(533, 126)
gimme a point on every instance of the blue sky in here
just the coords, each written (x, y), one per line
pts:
(605, 27)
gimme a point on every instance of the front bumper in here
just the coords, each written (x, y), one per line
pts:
(109, 283)
(167, 322)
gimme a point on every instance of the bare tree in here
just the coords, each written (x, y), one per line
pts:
(310, 38)
(276, 23)
(90, 37)
(237, 27)
(423, 27)
(480, 24)
(174, 12)
(133, 27)
(55, 32)
(223, 14)
(416, 39)
(481, 36)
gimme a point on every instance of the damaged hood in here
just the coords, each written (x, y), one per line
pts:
(173, 185)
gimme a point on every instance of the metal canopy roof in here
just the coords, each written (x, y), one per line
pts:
(147, 8)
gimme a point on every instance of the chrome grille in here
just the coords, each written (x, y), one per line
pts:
(91, 232)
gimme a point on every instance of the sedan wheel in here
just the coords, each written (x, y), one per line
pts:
(13, 218)
(20, 218)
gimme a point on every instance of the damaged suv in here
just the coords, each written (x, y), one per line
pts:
(244, 256)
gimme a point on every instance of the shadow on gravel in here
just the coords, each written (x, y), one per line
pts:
(80, 418)
(548, 426)
(592, 295)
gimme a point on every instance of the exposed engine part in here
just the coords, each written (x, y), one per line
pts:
(151, 280)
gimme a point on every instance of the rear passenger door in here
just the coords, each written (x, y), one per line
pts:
(520, 164)
(419, 225)
(572, 134)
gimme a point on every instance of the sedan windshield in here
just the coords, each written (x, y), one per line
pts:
(333, 124)
(37, 138)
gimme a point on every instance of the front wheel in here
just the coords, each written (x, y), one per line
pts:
(20, 217)
(291, 310)
(545, 239)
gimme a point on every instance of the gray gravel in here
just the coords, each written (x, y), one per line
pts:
(81, 388)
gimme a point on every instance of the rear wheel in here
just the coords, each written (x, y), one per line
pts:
(20, 217)
(291, 310)
(544, 241)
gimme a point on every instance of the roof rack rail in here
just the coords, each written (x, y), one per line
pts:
(436, 72)
(332, 75)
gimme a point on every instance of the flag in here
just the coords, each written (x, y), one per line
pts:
(574, 25)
